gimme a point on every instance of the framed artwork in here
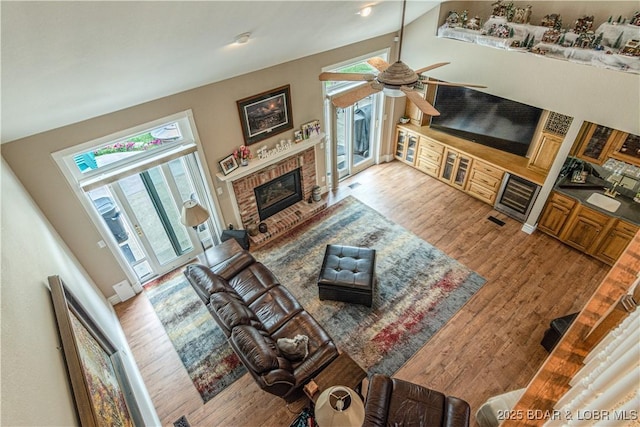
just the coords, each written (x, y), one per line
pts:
(228, 164)
(266, 114)
(298, 136)
(100, 387)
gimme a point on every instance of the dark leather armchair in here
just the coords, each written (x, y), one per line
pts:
(394, 402)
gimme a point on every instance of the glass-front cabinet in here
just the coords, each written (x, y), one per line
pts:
(596, 143)
(627, 148)
(455, 169)
(406, 146)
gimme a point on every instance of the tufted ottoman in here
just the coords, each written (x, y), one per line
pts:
(347, 274)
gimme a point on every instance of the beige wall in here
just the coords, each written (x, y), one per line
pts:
(216, 117)
(35, 388)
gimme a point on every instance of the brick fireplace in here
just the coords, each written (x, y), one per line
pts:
(289, 217)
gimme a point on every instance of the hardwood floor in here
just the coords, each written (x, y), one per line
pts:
(491, 346)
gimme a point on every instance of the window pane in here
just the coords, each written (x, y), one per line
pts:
(127, 148)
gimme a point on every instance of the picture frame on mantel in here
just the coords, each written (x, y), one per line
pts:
(228, 164)
(102, 392)
(266, 114)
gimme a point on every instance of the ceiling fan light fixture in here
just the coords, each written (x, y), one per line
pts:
(242, 38)
(392, 92)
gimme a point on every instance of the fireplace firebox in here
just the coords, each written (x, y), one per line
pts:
(278, 194)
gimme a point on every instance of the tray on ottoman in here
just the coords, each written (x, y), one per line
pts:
(347, 274)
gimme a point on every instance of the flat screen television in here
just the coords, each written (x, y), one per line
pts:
(485, 119)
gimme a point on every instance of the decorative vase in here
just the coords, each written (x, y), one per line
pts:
(252, 229)
(262, 227)
(315, 193)
(244, 162)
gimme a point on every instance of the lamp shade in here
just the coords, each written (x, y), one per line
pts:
(193, 214)
(339, 406)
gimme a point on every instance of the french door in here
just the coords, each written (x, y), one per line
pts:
(142, 212)
(356, 136)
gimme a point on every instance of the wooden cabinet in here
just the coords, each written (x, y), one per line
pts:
(455, 168)
(429, 157)
(555, 213)
(484, 181)
(592, 232)
(615, 242)
(596, 142)
(627, 148)
(406, 146)
(545, 152)
(583, 231)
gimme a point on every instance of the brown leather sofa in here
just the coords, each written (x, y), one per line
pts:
(394, 402)
(254, 311)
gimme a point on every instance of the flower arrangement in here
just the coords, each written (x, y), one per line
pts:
(243, 153)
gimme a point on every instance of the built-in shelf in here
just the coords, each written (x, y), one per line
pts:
(256, 164)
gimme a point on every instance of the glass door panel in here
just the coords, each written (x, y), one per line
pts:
(355, 136)
(151, 219)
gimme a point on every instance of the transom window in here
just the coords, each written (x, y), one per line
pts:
(359, 66)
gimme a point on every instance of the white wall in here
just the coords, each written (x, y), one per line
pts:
(34, 384)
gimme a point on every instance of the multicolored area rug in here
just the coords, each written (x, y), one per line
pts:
(419, 289)
(202, 346)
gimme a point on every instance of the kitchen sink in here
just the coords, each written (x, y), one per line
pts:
(603, 202)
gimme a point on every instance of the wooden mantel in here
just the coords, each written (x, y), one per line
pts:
(256, 164)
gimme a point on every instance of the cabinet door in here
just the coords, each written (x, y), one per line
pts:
(412, 147)
(616, 242)
(584, 230)
(450, 160)
(555, 214)
(596, 143)
(627, 148)
(545, 152)
(461, 171)
(401, 143)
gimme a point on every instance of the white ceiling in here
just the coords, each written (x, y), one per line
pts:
(63, 62)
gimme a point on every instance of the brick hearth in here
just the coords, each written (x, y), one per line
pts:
(287, 218)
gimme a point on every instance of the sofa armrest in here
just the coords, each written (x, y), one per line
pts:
(230, 267)
(377, 404)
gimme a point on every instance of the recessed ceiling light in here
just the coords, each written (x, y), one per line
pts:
(365, 11)
(243, 38)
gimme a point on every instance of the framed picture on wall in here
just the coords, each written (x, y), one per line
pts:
(100, 387)
(265, 114)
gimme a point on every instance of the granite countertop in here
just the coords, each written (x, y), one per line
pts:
(628, 210)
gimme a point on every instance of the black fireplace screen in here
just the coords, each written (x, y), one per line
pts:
(278, 194)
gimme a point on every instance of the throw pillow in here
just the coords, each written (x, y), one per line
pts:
(294, 349)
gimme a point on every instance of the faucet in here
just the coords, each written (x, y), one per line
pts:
(611, 192)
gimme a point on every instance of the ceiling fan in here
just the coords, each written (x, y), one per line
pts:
(396, 79)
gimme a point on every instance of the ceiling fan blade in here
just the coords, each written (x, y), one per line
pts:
(378, 63)
(431, 67)
(420, 102)
(351, 77)
(433, 82)
(354, 95)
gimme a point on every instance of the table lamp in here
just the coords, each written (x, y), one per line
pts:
(339, 406)
(193, 214)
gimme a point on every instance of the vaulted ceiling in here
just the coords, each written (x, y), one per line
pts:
(63, 62)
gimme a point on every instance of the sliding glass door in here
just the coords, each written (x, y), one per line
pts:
(142, 211)
(355, 136)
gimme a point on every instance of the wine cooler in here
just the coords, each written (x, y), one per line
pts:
(516, 197)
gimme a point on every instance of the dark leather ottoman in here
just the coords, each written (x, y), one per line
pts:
(347, 274)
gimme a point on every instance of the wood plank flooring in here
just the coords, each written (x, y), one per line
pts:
(491, 346)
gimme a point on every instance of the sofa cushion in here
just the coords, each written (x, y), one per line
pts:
(256, 350)
(231, 311)
(205, 282)
(253, 281)
(275, 307)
